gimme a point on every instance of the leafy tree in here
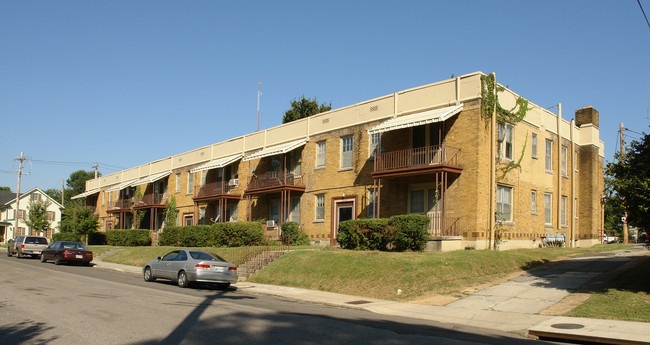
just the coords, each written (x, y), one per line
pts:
(76, 185)
(171, 213)
(37, 216)
(79, 219)
(629, 178)
(5, 189)
(304, 107)
(54, 194)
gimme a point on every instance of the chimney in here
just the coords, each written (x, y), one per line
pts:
(587, 115)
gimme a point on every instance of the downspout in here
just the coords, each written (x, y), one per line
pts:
(493, 176)
(559, 169)
(573, 186)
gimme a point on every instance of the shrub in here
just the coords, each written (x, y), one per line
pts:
(66, 236)
(97, 238)
(291, 234)
(219, 234)
(410, 232)
(237, 234)
(128, 238)
(400, 233)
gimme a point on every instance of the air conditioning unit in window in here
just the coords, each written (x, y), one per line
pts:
(234, 182)
(270, 223)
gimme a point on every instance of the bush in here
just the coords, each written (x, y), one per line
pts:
(400, 233)
(291, 234)
(97, 238)
(233, 234)
(128, 238)
(66, 236)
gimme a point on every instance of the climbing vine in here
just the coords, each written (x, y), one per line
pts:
(490, 106)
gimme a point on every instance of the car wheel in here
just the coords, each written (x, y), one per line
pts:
(57, 261)
(182, 280)
(148, 275)
(43, 258)
(18, 255)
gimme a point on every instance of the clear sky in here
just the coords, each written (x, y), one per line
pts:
(123, 83)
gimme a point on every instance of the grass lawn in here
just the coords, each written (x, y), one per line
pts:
(626, 296)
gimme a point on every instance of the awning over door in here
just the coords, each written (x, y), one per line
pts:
(417, 119)
(276, 149)
(85, 194)
(217, 163)
(151, 178)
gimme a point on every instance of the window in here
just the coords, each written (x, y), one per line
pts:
(294, 214)
(371, 203)
(424, 200)
(533, 202)
(347, 144)
(21, 214)
(417, 201)
(296, 162)
(564, 160)
(504, 203)
(190, 183)
(35, 197)
(563, 210)
(320, 154)
(188, 219)
(548, 208)
(375, 144)
(320, 206)
(202, 216)
(274, 210)
(50, 215)
(505, 140)
(575, 161)
(178, 183)
(548, 162)
(534, 145)
(233, 213)
(110, 198)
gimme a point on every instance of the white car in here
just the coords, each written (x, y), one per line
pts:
(186, 266)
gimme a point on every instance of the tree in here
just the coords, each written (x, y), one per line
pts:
(304, 107)
(5, 189)
(77, 184)
(54, 194)
(37, 216)
(79, 219)
(630, 180)
(171, 213)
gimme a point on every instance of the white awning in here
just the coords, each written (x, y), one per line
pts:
(150, 178)
(85, 194)
(417, 119)
(120, 186)
(276, 149)
(217, 163)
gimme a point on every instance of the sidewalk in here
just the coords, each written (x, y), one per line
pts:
(511, 307)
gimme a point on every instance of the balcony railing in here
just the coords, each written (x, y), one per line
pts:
(418, 157)
(121, 204)
(216, 188)
(275, 178)
(150, 199)
(440, 226)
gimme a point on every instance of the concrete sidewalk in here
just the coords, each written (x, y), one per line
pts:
(511, 307)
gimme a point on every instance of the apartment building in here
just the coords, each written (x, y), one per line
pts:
(429, 150)
(8, 214)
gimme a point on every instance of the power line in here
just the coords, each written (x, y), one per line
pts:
(642, 11)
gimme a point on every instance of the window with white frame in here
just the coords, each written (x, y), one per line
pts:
(548, 208)
(548, 159)
(424, 200)
(504, 203)
(233, 213)
(320, 154)
(188, 219)
(563, 200)
(347, 145)
(371, 203)
(35, 197)
(178, 183)
(190, 183)
(505, 140)
(202, 216)
(320, 206)
(294, 214)
(375, 144)
(564, 160)
(534, 145)
(533, 202)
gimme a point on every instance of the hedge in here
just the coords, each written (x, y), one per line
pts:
(131, 238)
(291, 234)
(97, 238)
(399, 233)
(234, 234)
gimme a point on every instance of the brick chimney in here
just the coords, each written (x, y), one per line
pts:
(587, 115)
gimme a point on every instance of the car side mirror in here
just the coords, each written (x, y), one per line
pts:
(158, 258)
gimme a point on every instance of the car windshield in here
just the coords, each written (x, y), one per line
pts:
(35, 240)
(205, 256)
(73, 245)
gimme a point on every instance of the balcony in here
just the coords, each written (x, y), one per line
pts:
(417, 161)
(215, 190)
(120, 204)
(275, 181)
(150, 199)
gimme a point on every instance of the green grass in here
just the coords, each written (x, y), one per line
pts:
(625, 297)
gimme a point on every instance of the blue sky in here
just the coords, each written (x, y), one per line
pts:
(123, 83)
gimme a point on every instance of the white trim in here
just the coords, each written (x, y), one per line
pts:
(85, 194)
(151, 178)
(121, 186)
(276, 149)
(217, 163)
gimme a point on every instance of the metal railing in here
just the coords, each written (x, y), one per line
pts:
(216, 188)
(150, 199)
(121, 203)
(253, 257)
(440, 226)
(418, 157)
(275, 178)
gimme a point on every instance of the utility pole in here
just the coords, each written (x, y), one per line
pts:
(621, 131)
(62, 192)
(259, 93)
(96, 166)
(20, 173)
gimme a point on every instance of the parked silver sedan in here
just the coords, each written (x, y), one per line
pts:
(186, 266)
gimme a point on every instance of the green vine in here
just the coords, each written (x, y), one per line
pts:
(505, 169)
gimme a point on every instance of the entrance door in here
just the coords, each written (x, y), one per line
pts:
(344, 211)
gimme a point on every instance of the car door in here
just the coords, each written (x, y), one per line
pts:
(163, 267)
(178, 264)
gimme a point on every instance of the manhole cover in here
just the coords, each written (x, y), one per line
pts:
(567, 326)
(358, 302)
